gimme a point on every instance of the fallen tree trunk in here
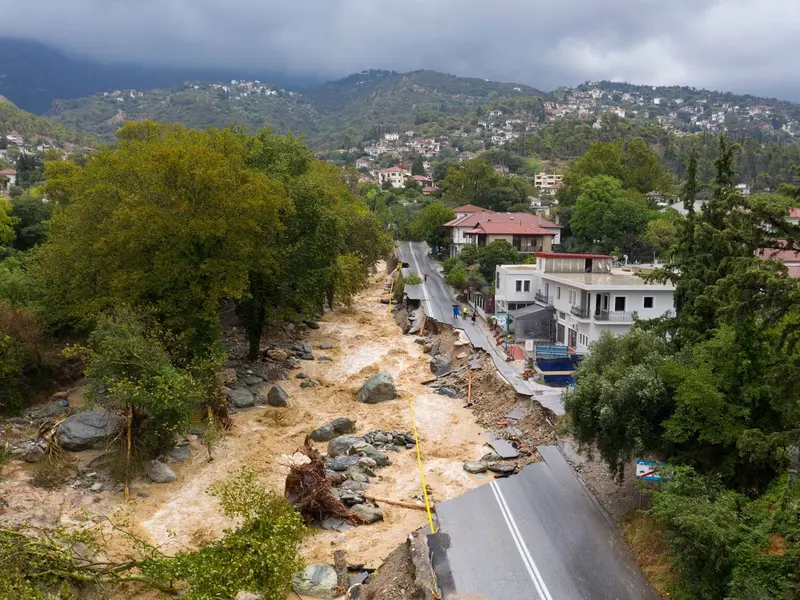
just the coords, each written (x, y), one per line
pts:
(399, 503)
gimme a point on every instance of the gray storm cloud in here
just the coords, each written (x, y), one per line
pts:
(739, 45)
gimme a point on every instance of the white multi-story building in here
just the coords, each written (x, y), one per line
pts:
(391, 137)
(548, 183)
(394, 175)
(584, 294)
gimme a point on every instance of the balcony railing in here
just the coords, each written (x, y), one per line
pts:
(540, 296)
(582, 313)
(618, 316)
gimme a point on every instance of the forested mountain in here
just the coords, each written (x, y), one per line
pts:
(34, 74)
(30, 126)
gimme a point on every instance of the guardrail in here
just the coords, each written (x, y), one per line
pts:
(540, 296)
(618, 316)
(582, 313)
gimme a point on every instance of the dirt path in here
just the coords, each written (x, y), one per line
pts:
(365, 340)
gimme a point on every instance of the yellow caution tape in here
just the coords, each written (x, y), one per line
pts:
(419, 462)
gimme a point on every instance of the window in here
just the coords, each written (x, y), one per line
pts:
(649, 302)
(497, 285)
(619, 303)
(518, 286)
(583, 339)
(562, 316)
(527, 285)
(573, 296)
(558, 292)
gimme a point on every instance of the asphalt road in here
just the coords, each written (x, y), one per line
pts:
(537, 535)
(438, 300)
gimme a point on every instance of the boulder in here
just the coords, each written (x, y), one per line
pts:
(356, 474)
(307, 356)
(253, 379)
(368, 450)
(31, 451)
(353, 486)
(311, 324)
(366, 461)
(277, 396)
(85, 429)
(248, 596)
(52, 408)
(277, 355)
(475, 467)
(341, 463)
(434, 349)
(179, 453)
(367, 513)
(343, 425)
(309, 384)
(301, 376)
(462, 355)
(260, 391)
(316, 581)
(306, 348)
(378, 388)
(159, 472)
(323, 434)
(341, 445)
(240, 398)
(503, 469)
(227, 377)
(446, 391)
(325, 346)
(440, 365)
(335, 524)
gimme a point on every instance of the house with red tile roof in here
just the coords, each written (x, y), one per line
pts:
(397, 176)
(526, 232)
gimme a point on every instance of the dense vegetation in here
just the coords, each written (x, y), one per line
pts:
(32, 127)
(713, 389)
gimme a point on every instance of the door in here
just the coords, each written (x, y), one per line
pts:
(560, 333)
(573, 338)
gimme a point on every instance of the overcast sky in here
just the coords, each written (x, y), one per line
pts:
(738, 45)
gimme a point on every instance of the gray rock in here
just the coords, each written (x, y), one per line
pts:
(311, 324)
(227, 377)
(379, 388)
(341, 463)
(353, 486)
(179, 453)
(307, 356)
(309, 384)
(382, 438)
(324, 359)
(335, 524)
(340, 446)
(367, 513)
(50, 409)
(325, 346)
(381, 459)
(31, 451)
(96, 487)
(355, 474)
(85, 429)
(323, 434)
(421, 341)
(446, 391)
(240, 398)
(343, 425)
(316, 581)
(277, 396)
(351, 498)
(503, 469)
(306, 348)
(434, 350)
(248, 596)
(462, 355)
(475, 467)
(367, 462)
(440, 365)
(301, 376)
(491, 457)
(159, 472)
(253, 380)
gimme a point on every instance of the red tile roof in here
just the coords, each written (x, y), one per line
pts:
(486, 216)
(392, 170)
(794, 213)
(509, 228)
(468, 208)
(8, 172)
(569, 255)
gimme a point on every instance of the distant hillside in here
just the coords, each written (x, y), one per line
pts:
(32, 75)
(348, 109)
(30, 126)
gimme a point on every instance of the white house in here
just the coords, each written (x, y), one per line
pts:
(363, 163)
(548, 183)
(7, 175)
(526, 232)
(587, 295)
(391, 137)
(394, 175)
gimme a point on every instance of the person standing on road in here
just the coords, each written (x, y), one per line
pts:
(465, 313)
(425, 276)
(455, 311)
(474, 317)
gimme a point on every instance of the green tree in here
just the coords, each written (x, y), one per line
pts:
(499, 252)
(417, 167)
(471, 183)
(7, 222)
(428, 225)
(169, 219)
(31, 214)
(608, 218)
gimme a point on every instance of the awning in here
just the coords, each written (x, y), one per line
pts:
(528, 310)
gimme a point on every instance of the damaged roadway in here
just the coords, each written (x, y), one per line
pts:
(537, 535)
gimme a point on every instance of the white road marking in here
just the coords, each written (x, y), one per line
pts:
(527, 559)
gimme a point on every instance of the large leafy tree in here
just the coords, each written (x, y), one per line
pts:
(170, 219)
(428, 224)
(499, 252)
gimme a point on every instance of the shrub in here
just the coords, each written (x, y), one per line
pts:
(413, 279)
